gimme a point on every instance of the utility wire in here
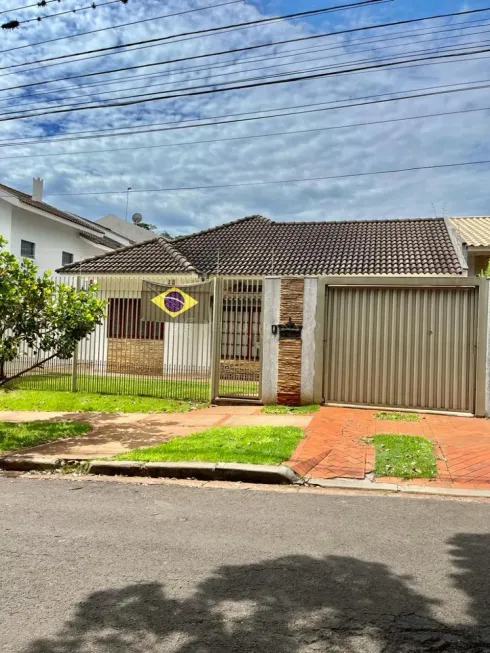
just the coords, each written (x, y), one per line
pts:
(300, 180)
(105, 29)
(42, 3)
(214, 90)
(14, 24)
(208, 30)
(248, 137)
(274, 66)
(231, 51)
(245, 60)
(306, 109)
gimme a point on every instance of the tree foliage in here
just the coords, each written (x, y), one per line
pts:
(36, 313)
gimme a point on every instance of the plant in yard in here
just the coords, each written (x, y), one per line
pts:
(35, 312)
(290, 410)
(404, 456)
(238, 444)
(398, 417)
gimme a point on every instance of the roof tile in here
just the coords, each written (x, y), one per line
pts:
(258, 246)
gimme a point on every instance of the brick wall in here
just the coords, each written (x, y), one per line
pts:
(289, 364)
(143, 357)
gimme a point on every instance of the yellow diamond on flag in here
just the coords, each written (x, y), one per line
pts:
(174, 302)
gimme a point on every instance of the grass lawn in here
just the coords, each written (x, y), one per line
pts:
(290, 410)
(27, 434)
(405, 456)
(398, 417)
(76, 402)
(237, 444)
(185, 390)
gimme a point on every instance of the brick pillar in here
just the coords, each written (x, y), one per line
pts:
(289, 364)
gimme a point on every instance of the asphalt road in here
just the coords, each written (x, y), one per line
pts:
(105, 567)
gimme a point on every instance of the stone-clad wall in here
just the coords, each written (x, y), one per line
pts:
(127, 356)
(289, 364)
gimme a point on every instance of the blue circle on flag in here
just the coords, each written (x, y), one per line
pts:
(174, 301)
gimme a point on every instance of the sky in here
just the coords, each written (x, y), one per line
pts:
(90, 176)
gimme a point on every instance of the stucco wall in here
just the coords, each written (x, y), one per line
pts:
(50, 237)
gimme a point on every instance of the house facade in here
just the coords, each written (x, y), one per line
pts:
(52, 237)
(379, 313)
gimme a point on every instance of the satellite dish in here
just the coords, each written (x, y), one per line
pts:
(137, 218)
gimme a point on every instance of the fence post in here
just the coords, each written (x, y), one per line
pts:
(216, 339)
(74, 369)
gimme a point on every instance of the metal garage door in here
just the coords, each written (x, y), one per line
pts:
(406, 347)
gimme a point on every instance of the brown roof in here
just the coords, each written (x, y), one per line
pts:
(71, 217)
(102, 240)
(150, 256)
(258, 246)
(474, 231)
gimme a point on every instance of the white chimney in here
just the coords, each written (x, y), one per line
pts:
(37, 189)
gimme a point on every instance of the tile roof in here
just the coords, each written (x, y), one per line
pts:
(258, 246)
(71, 217)
(102, 240)
(474, 231)
(150, 256)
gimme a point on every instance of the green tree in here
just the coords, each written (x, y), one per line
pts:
(35, 312)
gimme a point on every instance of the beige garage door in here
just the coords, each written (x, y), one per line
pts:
(405, 347)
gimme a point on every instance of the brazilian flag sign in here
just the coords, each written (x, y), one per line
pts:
(172, 303)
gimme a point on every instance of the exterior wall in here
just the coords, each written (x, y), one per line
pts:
(6, 222)
(141, 357)
(289, 365)
(477, 263)
(51, 239)
(270, 346)
(187, 348)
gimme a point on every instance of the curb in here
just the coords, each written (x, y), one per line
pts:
(268, 474)
(353, 484)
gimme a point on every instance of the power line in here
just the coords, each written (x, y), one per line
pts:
(247, 137)
(194, 93)
(105, 29)
(208, 30)
(207, 76)
(306, 109)
(14, 24)
(286, 53)
(246, 184)
(231, 51)
(38, 107)
(42, 3)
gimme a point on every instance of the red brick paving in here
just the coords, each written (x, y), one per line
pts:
(335, 446)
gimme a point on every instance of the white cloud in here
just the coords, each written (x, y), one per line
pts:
(409, 143)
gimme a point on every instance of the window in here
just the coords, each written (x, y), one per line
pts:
(66, 258)
(27, 249)
(124, 321)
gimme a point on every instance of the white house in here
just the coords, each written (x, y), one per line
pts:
(52, 237)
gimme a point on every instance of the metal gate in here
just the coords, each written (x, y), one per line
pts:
(240, 338)
(405, 347)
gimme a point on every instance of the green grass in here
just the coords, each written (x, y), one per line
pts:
(135, 386)
(238, 444)
(290, 410)
(85, 402)
(28, 434)
(405, 456)
(398, 417)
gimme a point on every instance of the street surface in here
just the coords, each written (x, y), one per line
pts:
(110, 567)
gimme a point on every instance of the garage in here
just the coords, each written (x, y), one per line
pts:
(402, 346)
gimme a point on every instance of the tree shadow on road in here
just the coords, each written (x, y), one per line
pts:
(295, 604)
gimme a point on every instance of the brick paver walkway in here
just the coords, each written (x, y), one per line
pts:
(335, 446)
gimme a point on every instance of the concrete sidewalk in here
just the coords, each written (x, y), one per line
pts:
(115, 433)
